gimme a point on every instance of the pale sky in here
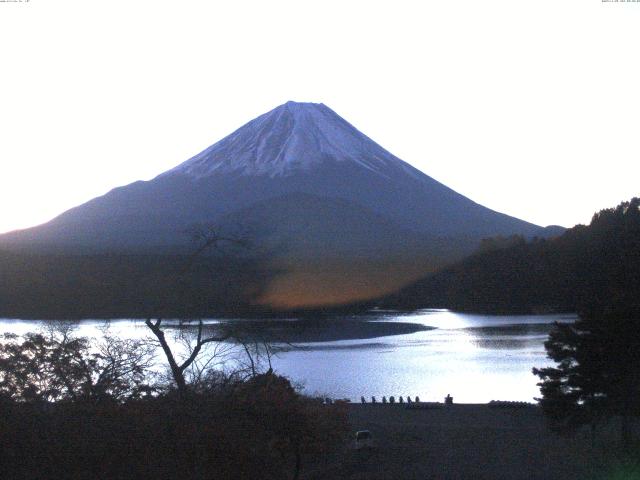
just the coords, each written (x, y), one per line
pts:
(531, 108)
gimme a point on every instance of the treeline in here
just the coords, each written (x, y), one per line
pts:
(117, 285)
(585, 269)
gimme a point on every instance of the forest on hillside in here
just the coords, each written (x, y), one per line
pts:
(586, 268)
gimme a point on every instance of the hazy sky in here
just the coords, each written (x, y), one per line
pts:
(529, 107)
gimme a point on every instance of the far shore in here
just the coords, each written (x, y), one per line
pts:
(324, 330)
(304, 330)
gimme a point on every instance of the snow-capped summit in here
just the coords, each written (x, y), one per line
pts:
(294, 136)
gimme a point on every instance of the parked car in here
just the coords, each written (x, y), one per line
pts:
(363, 439)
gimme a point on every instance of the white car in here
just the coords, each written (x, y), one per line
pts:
(363, 439)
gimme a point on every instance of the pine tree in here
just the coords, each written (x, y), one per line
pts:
(598, 357)
(597, 376)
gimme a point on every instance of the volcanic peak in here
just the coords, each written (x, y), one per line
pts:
(292, 137)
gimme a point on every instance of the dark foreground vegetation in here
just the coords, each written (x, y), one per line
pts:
(584, 267)
(260, 428)
(78, 409)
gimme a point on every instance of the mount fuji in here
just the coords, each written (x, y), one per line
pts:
(340, 217)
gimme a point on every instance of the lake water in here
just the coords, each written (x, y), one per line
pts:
(475, 358)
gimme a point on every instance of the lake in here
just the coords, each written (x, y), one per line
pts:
(475, 358)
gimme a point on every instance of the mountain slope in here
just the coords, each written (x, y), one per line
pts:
(335, 252)
(312, 179)
(294, 148)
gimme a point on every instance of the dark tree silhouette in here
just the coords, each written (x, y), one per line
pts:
(178, 369)
(598, 371)
(294, 425)
(587, 269)
(207, 239)
(59, 366)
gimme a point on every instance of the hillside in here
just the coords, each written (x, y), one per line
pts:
(598, 264)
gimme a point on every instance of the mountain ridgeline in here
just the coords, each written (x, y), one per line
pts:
(332, 216)
(592, 270)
